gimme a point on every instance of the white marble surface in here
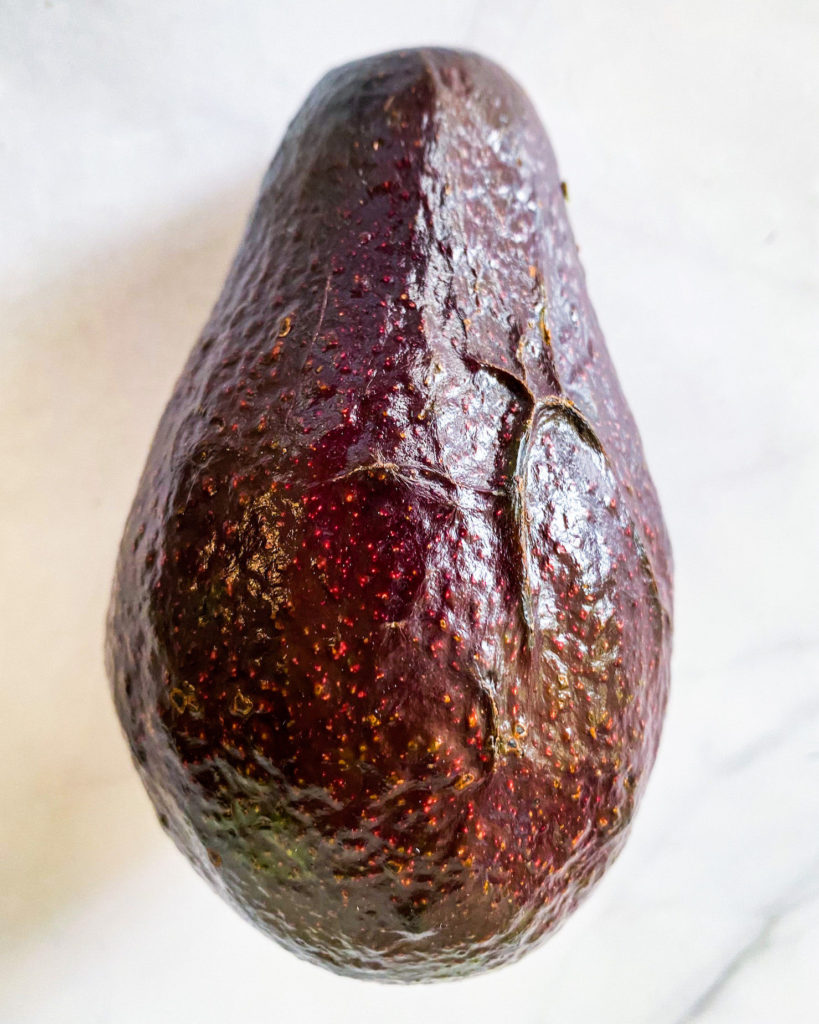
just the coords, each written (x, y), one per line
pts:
(133, 136)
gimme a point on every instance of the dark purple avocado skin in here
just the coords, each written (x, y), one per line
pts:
(391, 623)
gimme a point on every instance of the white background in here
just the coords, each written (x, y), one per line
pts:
(132, 139)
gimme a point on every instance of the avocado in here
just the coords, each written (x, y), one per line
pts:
(390, 629)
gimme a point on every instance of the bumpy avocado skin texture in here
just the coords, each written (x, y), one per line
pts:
(391, 623)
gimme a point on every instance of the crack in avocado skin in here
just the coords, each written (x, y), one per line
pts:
(391, 624)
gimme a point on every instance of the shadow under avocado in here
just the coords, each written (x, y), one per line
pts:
(89, 361)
